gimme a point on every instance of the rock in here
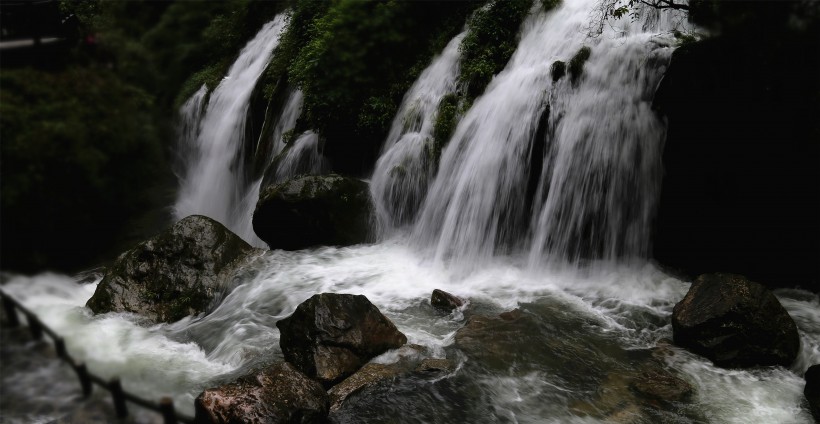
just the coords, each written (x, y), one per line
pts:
(735, 322)
(330, 336)
(557, 70)
(812, 390)
(314, 210)
(436, 366)
(576, 64)
(172, 275)
(497, 342)
(445, 301)
(277, 394)
(659, 384)
(368, 376)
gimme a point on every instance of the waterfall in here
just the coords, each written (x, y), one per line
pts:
(303, 157)
(400, 179)
(574, 162)
(214, 182)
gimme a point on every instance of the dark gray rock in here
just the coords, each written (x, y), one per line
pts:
(812, 390)
(173, 275)
(314, 210)
(277, 394)
(368, 376)
(735, 322)
(445, 301)
(330, 336)
(659, 384)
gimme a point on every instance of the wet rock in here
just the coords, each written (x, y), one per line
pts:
(330, 336)
(445, 301)
(173, 275)
(812, 390)
(436, 366)
(277, 394)
(576, 64)
(368, 376)
(659, 384)
(314, 210)
(735, 322)
(497, 342)
(558, 70)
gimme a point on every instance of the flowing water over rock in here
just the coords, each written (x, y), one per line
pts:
(502, 226)
(214, 182)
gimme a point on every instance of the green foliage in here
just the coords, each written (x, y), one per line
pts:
(445, 122)
(490, 42)
(576, 64)
(354, 60)
(81, 160)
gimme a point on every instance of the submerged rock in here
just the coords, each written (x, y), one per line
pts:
(812, 390)
(445, 301)
(735, 322)
(330, 336)
(314, 210)
(172, 275)
(497, 342)
(277, 394)
(659, 384)
(368, 376)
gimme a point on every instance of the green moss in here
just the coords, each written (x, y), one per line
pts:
(445, 122)
(550, 4)
(490, 42)
(576, 64)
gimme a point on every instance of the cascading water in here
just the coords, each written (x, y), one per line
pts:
(600, 156)
(595, 323)
(303, 157)
(399, 182)
(214, 182)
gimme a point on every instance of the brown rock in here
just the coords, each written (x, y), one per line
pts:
(445, 301)
(735, 322)
(658, 384)
(368, 376)
(277, 394)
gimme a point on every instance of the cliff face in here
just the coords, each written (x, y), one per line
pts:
(740, 190)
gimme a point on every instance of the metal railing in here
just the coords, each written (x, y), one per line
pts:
(165, 406)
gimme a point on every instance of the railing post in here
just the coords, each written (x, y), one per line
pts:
(85, 379)
(118, 396)
(35, 327)
(11, 312)
(166, 407)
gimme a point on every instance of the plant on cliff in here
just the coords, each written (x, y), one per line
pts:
(354, 61)
(490, 42)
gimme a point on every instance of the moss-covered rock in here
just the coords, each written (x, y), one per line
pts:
(576, 64)
(314, 210)
(172, 275)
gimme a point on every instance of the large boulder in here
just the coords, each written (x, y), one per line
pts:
(278, 394)
(735, 322)
(173, 275)
(812, 390)
(330, 336)
(314, 210)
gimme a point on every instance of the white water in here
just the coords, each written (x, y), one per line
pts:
(399, 181)
(599, 182)
(627, 307)
(214, 181)
(302, 158)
